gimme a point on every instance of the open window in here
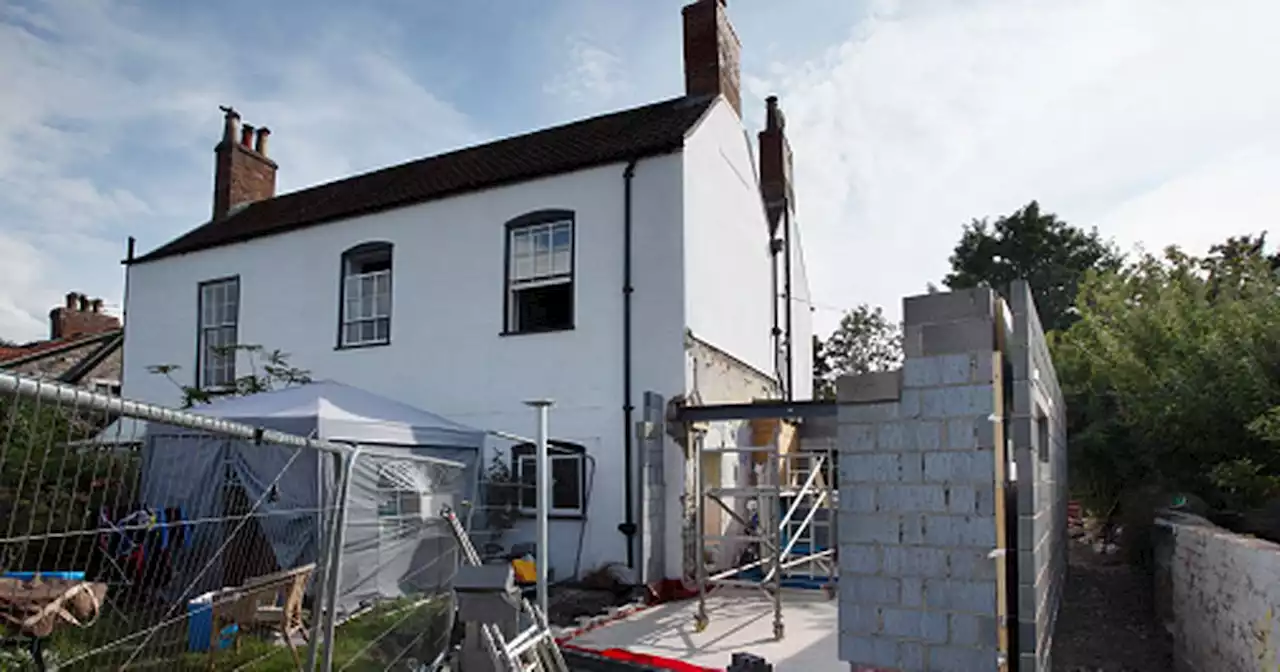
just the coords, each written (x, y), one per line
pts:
(365, 310)
(568, 477)
(540, 272)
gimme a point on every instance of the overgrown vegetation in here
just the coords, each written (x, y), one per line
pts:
(268, 370)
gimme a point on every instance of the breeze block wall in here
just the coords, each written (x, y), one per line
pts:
(921, 453)
(1037, 424)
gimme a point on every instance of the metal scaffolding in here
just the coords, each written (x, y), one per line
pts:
(788, 540)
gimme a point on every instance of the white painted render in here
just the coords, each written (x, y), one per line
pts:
(700, 263)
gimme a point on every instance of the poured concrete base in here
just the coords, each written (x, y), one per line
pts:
(741, 620)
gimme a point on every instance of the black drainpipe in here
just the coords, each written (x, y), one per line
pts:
(791, 334)
(628, 524)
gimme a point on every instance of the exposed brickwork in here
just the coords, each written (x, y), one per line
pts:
(85, 318)
(775, 165)
(1219, 593)
(242, 172)
(712, 53)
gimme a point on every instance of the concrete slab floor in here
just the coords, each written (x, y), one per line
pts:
(741, 620)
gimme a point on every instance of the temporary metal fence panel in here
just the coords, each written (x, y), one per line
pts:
(199, 540)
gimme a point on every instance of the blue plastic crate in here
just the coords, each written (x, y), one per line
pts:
(200, 625)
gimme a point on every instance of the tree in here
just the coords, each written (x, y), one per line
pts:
(864, 341)
(1172, 376)
(1051, 255)
(268, 369)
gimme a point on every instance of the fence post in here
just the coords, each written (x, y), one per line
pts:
(324, 563)
(335, 563)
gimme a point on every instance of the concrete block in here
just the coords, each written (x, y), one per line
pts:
(856, 437)
(869, 590)
(876, 386)
(859, 619)
(911, 498)
(909, 435)
(968, 467)
(926, 626)
(970, 597)
(921, 372)
(966, 531)
(975, 335)
(913, 591)
(978, 302)
(909, 404)
(986, 500)
(874, 651)
(863, 528)
(914, 561)
(859, 559)
(858, 499)
(912, 656)
(971, 565)
(911, 466)
(870, 468)
(973, 630)
(961, 659)
(867, 412)
(961, 499)
(970, 400)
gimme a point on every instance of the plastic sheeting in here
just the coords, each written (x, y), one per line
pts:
(395, 543)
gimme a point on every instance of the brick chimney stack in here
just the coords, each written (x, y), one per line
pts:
(712, 53)
(242, 172)
(80, 316)
(775, 165)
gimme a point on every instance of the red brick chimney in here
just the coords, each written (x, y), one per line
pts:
(712, 52)
(775, 165)
(80, 316)
(242, 172)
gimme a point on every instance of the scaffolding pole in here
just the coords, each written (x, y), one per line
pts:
(776, 541)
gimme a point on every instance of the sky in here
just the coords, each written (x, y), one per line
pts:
(1156, 121)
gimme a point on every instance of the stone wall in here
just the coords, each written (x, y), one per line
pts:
(1219, 594)
(920, 588)
(1037, 427)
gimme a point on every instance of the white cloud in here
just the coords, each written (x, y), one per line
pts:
(593, 76)
(108, 118)
(1152, 119)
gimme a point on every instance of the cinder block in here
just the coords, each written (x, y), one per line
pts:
(921, 372)
(856, 437)
(860, 619)
(875, 651)
(967, 467)
(870, 590)
(912, 656)
(876, 386)
(962, 499)
(938, 307)
(975, 335)
(926, 626)
(864, 528)
(971, 565)
(914, 561)
(969, 400)
(870, 468)
(971, 597)
(859, 559)
(961, 659)
(867, 412)
(909, 404)
(913, 591)
(909, 435)
(858, 499)
(911, 498)
(973, 630)
(962, 531)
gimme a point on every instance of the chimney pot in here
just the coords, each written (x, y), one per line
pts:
(96, 305)
(72, 299)
(230, 123)
(246, 135)
(84, 303)
(260, 145)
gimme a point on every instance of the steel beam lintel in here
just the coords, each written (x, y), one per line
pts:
(795, 410)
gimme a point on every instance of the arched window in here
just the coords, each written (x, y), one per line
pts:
(364, 312)
(568, 477)
(539, 272)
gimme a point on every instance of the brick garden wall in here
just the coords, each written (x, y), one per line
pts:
(1219, 594)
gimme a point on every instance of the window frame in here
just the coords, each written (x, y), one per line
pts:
(528, 221)
(202, 328)
(556, 450)
(363, 249)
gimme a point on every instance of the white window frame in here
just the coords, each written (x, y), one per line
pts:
(219, 322)
(366, 299)
(533, 263)
(530, 462)
(107, 386)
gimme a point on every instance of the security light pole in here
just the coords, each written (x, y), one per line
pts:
(543, 486)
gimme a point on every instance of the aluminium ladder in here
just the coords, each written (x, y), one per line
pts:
(532, 650)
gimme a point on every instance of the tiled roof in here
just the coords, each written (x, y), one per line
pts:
(635, 133)
(23, 354)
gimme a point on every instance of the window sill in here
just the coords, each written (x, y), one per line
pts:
(362, 346)
(532, 332)
(554, 515)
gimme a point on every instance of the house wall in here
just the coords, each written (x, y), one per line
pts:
(446, 352)
(727, 264)
(801, 320)
(1038, 429)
